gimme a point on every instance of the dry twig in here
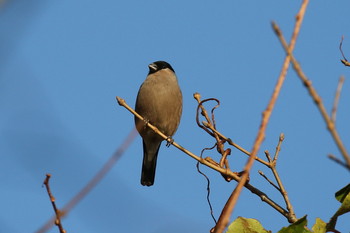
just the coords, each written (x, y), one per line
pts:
(268, 180)
(336, 98)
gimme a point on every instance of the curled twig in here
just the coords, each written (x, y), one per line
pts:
(203, 111)
(208, 126)
(208, 184)
(344, 60)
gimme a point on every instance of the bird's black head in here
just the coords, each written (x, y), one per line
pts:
(159, 65)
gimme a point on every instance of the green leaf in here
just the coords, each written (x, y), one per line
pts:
(246, 225)
(341, 194)
(297, 227)
(320, 226)
(344, 208)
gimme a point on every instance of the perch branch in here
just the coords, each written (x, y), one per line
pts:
(210, 164)
(165, 137)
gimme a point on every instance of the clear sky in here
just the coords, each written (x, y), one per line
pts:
(63, 62)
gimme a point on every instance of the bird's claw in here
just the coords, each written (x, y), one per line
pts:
(169, 141)
(145, 121)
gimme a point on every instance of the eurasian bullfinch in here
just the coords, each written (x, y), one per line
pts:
(159, 102)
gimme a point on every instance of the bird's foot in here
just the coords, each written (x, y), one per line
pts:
(145, 122)
(169, 141)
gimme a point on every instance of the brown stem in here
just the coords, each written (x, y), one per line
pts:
(52, 199)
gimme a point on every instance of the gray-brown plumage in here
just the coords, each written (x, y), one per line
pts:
(159, 101)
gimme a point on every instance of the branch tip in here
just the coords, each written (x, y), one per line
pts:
(121, 101)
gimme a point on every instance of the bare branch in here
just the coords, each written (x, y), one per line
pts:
(282, 190)
(93, 182)
(314, 95)
(226, 213)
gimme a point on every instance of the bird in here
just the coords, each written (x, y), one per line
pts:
(159, 102)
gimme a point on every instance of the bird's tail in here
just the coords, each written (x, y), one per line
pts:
(150, 154)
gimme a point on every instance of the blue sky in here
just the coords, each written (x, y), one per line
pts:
(63, 63)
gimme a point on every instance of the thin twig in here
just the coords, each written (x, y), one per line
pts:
(226, 213)
(314, 95)
(278, 147)
(282, 190)
(338, 161)
(267, 154)
(344, 61)
(268, 180)
(52, 199)
(336, 98)
(94, 181)
(213, 165)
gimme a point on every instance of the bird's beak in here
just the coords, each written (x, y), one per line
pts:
(153, 67)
